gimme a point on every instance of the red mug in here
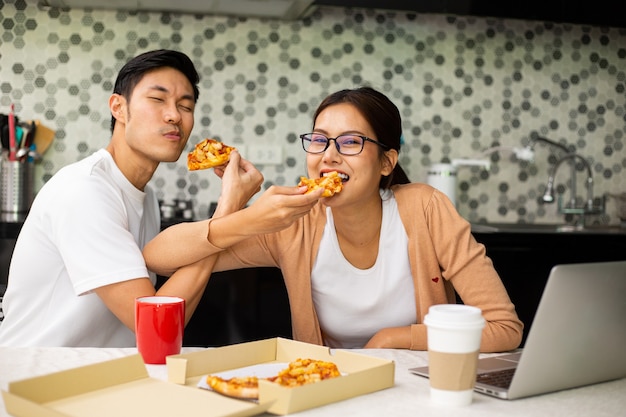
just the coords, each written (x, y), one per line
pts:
(159, 327)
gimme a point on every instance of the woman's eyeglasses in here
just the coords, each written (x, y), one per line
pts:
(345, 144)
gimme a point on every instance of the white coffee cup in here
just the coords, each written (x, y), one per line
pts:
(454, 333)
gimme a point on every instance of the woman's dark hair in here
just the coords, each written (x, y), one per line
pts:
(134, 70)
(382, 115)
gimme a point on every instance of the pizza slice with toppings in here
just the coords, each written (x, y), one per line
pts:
(209, 153)
(305, 371)
(331, 183)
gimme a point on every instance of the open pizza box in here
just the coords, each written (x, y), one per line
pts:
(117, 388)
(361, 374)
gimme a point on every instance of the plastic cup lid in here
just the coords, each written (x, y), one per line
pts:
(454, 315)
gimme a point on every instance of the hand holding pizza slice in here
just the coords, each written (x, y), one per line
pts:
(209, 153)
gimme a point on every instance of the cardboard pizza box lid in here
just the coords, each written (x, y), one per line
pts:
(120, 387)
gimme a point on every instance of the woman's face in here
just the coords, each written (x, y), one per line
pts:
(361, 173)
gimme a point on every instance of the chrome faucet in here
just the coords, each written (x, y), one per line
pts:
(549, 142)
(570, 208)
(548, 196)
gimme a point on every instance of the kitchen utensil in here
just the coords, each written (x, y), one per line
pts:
(22, 151)
(4, 133)
(43, 137)
(12, 139)
(16, 186)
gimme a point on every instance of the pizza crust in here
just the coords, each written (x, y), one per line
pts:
(208, 153)
(239, 387)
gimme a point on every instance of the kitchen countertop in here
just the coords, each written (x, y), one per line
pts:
(10, 229)
(547, 228)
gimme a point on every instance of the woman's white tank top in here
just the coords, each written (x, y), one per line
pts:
(353, 304)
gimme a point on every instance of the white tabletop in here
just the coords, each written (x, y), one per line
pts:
(409, 396)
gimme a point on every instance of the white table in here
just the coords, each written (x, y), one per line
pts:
(409, 396)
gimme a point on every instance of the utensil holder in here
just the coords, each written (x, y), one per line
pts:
(17, 186)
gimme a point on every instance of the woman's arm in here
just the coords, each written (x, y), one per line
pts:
(186, 243)
(465, 264)
(391, 338)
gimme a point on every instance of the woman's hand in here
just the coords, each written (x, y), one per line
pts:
(276, 209)
(391, 338)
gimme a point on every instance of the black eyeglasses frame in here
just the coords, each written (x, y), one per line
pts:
(303, 137)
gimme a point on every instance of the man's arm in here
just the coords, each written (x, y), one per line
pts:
(240, 180)
(188, 283)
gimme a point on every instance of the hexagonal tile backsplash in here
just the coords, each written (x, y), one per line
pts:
(466, 87)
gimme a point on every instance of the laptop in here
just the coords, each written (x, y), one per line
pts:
(577, 338)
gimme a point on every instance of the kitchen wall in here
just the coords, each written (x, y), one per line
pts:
(464, 85)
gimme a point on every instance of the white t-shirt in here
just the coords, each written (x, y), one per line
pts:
(353, 304)
(85, 230)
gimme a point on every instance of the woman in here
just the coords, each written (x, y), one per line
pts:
(362, 267)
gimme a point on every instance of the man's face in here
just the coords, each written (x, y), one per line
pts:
(158, 117)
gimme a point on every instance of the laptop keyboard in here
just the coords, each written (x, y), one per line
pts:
(500, 379)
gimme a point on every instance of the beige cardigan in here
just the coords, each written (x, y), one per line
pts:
(444, 257)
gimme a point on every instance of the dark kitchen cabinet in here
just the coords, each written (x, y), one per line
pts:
(239, 306)
(251, 304)
(8, 237)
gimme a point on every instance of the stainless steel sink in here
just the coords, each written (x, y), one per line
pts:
(545, 228)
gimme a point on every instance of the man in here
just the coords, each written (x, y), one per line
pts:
(77, 266)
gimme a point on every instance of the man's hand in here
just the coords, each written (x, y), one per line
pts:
(240, 181)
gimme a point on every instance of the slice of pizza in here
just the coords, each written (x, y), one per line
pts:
(306, 371)
(246, 387)
(330, 182)
(209, 153)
